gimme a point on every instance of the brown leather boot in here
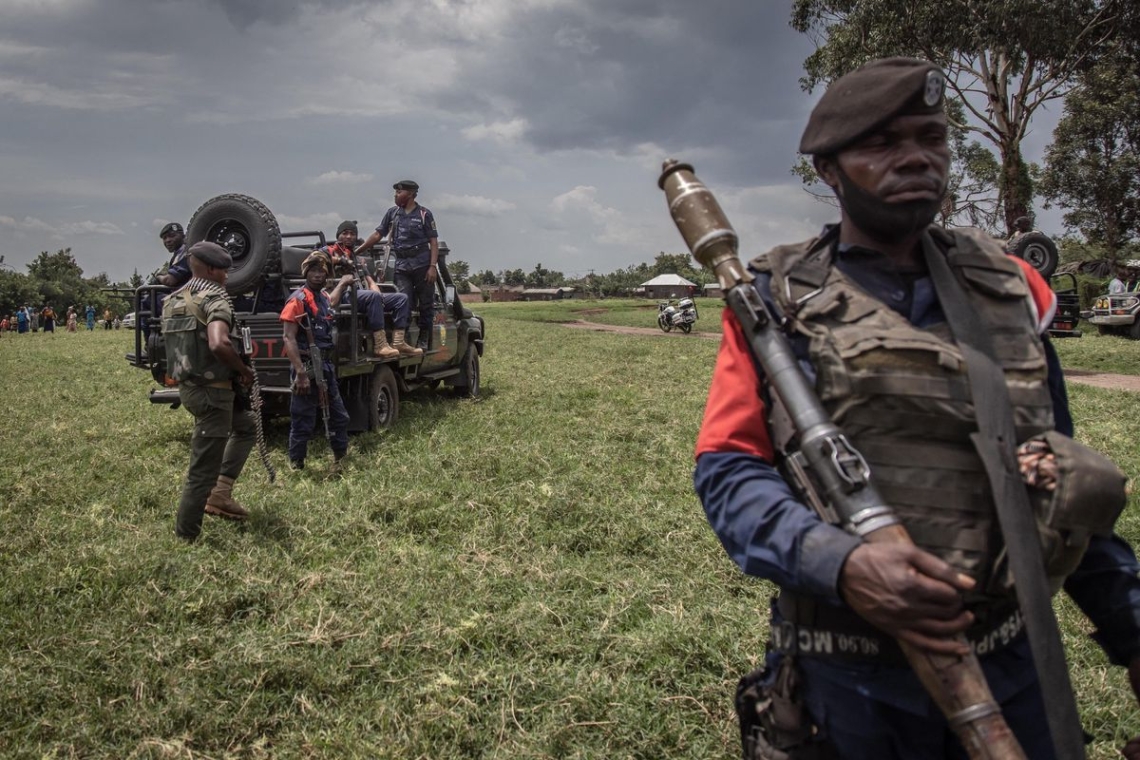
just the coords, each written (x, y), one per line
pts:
(405, 349)
(380, 345)
(221, 503)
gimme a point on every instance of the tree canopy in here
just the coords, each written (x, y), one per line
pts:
(57, 279)
(1003, 59)
(1093, 166)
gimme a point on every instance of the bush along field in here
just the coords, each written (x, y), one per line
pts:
(523, 575)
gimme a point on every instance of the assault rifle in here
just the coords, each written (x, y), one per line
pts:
(318, 374)
(956, 683)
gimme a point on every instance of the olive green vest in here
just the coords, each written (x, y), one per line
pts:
(188, 353)
(902, 396)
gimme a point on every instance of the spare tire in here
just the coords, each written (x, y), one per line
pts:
(1038, 250)
(247, 229)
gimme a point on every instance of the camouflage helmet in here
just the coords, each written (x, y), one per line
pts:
(316, 258)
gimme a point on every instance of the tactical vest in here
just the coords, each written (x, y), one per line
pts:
(902, 396)
(322, 319)
(188, 353)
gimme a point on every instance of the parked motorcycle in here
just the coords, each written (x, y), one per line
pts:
(682, 316)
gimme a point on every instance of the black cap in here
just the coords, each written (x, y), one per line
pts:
(212, 254)
(347, 224)
(406, 184)
(866, 99)
(170, 227)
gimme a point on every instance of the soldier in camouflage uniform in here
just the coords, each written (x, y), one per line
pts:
(197, 321)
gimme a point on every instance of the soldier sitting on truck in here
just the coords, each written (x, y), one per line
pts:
(308, 315)
(370, 301)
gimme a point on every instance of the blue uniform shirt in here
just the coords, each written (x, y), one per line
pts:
(411, 233)
(179, 267)
(321, 318)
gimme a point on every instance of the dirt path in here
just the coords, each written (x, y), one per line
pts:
(1104, 380)
(1085, 377)
(582, 324)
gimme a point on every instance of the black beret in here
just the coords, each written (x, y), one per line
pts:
(316, 258)
(212, 254)
(866, 99)
(347, 224)
(170, 227)
(406, 184)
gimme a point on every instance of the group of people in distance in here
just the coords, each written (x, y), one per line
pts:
(30, 320)
(198, 319)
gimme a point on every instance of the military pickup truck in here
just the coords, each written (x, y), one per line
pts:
(265, 271)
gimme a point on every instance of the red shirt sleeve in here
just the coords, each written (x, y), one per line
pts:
(1044, 300)
(735, 418)
(293, 310)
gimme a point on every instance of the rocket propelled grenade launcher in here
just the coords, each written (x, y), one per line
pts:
(956, 684)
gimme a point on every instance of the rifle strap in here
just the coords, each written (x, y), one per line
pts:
(995, 442)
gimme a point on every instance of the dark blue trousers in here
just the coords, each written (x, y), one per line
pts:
(373, 305)
(871, 712)
(305, 418)
(414, 284)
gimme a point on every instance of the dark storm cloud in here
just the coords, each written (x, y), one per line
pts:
(603, 75)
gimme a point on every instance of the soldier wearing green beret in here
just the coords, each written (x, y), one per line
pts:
(886, 310)
(197, 322)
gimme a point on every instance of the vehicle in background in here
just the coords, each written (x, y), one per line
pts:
(265, 272)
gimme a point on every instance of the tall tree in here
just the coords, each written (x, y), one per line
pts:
(1003, 59)
(1093, 166)
(542, 277)
(58, 278)
(486, 277)
(513, 277)
(460, 270)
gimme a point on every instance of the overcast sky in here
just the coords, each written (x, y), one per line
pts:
(536, 128)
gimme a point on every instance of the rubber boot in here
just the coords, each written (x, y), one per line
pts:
(380, 347)
(404, 348)
(423, 340)
(220, 501)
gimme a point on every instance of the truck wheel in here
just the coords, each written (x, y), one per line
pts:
(383, 398)
(1134, 330)
(247, 229)
(469, 374)
(1039, 251)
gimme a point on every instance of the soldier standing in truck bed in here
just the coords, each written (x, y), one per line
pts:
(415, 244)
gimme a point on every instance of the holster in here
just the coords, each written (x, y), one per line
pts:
(774, 722)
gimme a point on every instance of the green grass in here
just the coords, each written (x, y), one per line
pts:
(525, 575)
(1099, 353)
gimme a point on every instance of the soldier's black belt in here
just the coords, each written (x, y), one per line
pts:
(842, 635)
(407, 253)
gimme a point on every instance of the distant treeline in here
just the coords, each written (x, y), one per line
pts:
(57, 279)
(619, 283)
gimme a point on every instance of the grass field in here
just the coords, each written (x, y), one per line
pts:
(525, 575)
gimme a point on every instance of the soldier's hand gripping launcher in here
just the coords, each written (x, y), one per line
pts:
(956, 684)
